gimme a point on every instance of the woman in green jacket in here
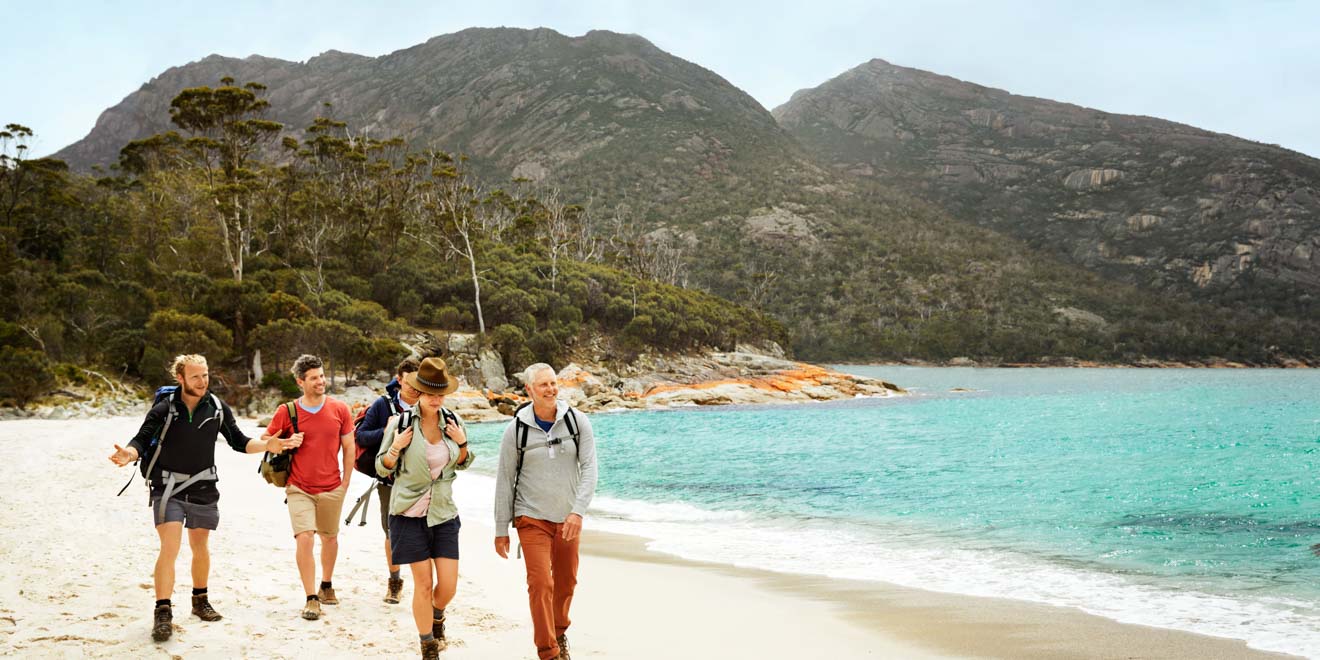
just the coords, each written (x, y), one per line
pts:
(423, 521)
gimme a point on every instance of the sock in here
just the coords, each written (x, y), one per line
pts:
(325, 584)
(313, 597)
(164, 601)
(394, 575)
(427, 637)
(437, 614)
(199, 592)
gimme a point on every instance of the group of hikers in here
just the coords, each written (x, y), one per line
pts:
(545, 481)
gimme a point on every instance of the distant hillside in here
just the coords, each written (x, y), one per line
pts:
(853, 268)
(1138, 199)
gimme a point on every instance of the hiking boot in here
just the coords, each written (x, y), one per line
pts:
(431, 649)
(202, 608)
(312, 610)
(438, 628)
(327, 596)
(395, 590)
(562, 640)
(162, 623)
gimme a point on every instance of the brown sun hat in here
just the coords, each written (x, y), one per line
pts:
(432, 377)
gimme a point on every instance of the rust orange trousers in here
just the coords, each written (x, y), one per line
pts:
(552, 565)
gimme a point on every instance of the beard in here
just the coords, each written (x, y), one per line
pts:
(189, 391)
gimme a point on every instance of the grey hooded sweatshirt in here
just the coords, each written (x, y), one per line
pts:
(548, 488)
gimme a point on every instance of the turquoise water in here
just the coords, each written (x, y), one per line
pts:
(1176, 498)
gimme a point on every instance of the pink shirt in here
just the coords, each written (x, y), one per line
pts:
(437, 457)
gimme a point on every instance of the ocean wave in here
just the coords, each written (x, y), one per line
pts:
(917, 559)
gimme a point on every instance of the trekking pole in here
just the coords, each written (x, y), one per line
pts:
(366, 505)
(361, 504)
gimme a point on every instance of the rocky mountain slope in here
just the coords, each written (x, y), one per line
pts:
(853, 267)
(1140, 199)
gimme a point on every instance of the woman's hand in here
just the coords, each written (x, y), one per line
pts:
(455, 432)
(402, 440)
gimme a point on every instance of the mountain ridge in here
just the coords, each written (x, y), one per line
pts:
(1144, 200)
(858, 263)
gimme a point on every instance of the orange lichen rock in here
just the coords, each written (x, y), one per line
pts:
(788, 380)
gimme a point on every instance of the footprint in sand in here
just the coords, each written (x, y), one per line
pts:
(8, 625)
(105, 615)
(145, 585)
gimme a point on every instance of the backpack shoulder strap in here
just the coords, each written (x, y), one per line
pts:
(570, 420)
(520, 430)
(219, 407)
(292, 408)
(160, 439)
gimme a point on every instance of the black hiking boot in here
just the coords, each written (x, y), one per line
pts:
(162, 623)
(202, 608)
(562, 640)
(394, 591)
(431, 649)
(438, 629)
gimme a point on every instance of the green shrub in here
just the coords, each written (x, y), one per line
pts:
(170, 333)
(282, 381)
(25, 374)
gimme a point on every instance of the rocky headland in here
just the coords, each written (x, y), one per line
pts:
(748, 376)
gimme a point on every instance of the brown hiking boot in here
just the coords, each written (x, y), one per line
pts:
(327, 596)
(395, 590)
(203, 610)
(431, 649)
(562, 640)
(312, 610)
(438, 628)
(162, 625)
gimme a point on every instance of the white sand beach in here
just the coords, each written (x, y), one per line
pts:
(78, 561)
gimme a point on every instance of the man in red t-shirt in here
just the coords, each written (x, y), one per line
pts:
(316, 488)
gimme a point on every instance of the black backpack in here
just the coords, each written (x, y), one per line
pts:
(164, 393)
(521, 429)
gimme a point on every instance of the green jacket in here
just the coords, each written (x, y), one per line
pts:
(412, 474)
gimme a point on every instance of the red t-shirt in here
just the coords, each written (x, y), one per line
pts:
(316, 463)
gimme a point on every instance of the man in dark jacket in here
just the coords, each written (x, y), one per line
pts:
(183, 478)
(398, 397)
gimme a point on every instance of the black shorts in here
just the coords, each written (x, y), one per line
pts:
(411, 540)
(191, 514)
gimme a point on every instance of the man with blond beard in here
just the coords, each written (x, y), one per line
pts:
(182, 478)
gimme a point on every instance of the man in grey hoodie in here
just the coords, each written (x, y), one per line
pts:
(545, 481)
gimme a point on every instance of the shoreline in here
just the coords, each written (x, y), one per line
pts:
(1072, 363)
(957, 625)
(72, 597)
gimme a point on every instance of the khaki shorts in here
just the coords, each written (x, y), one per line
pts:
(315, 513)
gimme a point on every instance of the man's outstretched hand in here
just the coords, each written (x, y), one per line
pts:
(123, 456)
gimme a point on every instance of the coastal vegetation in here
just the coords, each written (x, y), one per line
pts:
(221, 239)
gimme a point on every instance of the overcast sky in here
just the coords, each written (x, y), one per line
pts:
(1251, 69)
